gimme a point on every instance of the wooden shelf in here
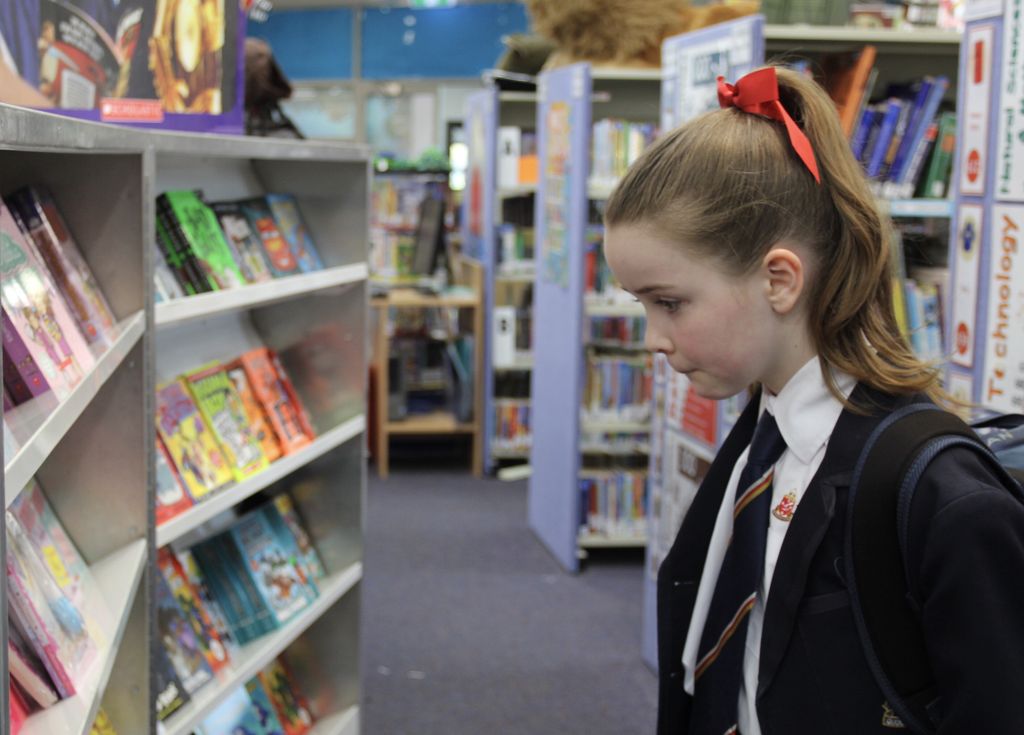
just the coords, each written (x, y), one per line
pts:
(46, 422)
(220, 501)
(254, 656)
(440, 422)
(410, 298)
(603, 541)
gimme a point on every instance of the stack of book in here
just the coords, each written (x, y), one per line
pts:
(223, 423)
(598, 280)
(203, 247)
(615, 144)
(618, 389)
(515, 249)
(56, 320)
(625, 332)
(226, 591)
(512, 428)
(54, 639)
(614, 504)
(905, 139)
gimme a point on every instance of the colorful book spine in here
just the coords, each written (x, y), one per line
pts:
(34, 208)
(215, 653)
(244, 243)
(177, 254)
(209, 556)
(916, 133)
(887, 128)
(179, 640)
(22, 377)
(165, 284)
(278, 400)
(264, 708)
(214, 610)
(285, 508)
(297, 552)
(170, 692)
(38, 312)
(280, 257)
(225, 414)
(171, 496)
(201, 229)
(291, 710)
(258, 423)
(190, 443)
(294, 230)
(936, 180)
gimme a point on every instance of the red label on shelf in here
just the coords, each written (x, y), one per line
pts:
(131, 110)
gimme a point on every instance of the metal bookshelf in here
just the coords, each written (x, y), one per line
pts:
(105, 180)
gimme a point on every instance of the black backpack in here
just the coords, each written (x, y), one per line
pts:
(887, 472)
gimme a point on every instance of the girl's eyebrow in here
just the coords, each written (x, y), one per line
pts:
(649, 289)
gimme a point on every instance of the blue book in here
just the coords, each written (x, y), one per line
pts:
(238, 613)
(235, 715)
(179, 640)
(265, 712)
(868, 120)
(286, 537)
(885, 133)
(912, 116)
(916, 134)
(915, 318)
(295, 232)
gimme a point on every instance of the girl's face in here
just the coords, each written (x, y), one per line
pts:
(716, 328)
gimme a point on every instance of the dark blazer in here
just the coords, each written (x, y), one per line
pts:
(966, 566)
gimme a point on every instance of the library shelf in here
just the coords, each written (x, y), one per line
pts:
(198, 514)
(611, 541)
(625, 74)
(438, 422)
(927, 40)
(512, 192)
(342, 723)
(252, 657)
(515, 277)
(178, 311)
(597, 426)
(46, 429)
(117, 580)
(619, 308)
(409, 298)
(522, 364)
(918, 208)
(509, 453)
(510, 96)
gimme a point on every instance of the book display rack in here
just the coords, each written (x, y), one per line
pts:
(91, 449)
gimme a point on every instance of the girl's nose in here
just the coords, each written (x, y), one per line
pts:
(654, 341)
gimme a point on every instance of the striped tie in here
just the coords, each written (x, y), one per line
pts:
(719, 670)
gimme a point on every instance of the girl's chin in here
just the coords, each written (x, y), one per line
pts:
(707, 387)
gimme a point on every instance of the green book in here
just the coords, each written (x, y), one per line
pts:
(936, 180)
(201, 230)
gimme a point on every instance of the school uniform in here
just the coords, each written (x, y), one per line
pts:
(808, 675)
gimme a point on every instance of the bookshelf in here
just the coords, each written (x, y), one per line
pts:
(105, 180)
(466, 299)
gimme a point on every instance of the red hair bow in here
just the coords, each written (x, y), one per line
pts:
(758, 94)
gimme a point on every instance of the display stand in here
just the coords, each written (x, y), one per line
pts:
(469, 275)
(987, 362)
(106, 180)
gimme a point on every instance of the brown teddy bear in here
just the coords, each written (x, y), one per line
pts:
(623, 32)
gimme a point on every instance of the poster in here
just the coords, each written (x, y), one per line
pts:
(1009, 156)
(1003, 379)
(557, 167)
(144, 61)
(977, 91)
(965, 285)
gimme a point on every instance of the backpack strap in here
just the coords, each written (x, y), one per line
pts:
(886, 616)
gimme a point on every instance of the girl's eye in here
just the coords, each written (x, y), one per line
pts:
(669, 306)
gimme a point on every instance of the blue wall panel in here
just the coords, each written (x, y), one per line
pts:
(438, 42)
(310, 44)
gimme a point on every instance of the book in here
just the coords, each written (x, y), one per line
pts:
(179, 640)
(225, 414)
(271, 567)
(244, 243)
(35, 210)
(234, 715)
(291, 710)
(51, 541)
(913, 173)
(294, 230)
(933, 89)
(18, 710)
(887, 127)
(847, 82)
(170, 692)
(171, 496)
(23, 380)
(279, 256)
(189, 442)
(278, 398)
(936, 179)
(265, 710)
(177, 254)
(191, 605)
(201, 230)
(38, 313)
(54, 626)
(283, 516)
(165, 284)
(214, 611)
(27, 670)
(221, 569)
(862, 134)
(102, 724)
(258, 423)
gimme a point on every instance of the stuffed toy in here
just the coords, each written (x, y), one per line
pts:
(622, 32)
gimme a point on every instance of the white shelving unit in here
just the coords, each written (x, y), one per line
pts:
(105, 180)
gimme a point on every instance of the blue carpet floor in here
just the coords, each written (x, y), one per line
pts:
(469, 627)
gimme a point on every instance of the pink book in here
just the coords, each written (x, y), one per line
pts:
(37, 214)
(38, 313)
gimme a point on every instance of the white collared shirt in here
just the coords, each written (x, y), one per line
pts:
(806, 413)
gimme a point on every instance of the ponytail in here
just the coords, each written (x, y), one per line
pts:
(729, 184)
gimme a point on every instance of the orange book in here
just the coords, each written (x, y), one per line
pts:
(529, 169)
(258, 423)
(278, 398)
(847, 84)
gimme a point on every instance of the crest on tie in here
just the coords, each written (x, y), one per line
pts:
(891, 719)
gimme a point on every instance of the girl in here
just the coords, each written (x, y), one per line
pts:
(753, 241)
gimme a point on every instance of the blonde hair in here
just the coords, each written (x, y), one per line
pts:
(729, 185)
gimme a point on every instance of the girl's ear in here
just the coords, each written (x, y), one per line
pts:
(784, 273)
